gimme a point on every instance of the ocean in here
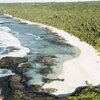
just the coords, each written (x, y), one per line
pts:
(45, 50)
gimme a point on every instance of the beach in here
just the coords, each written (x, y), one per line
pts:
(78, 71)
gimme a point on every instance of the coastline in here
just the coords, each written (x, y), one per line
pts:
(76, 71)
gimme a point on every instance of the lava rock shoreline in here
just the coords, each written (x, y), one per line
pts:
(14, 87)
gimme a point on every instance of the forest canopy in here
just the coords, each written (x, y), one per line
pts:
(81, 19)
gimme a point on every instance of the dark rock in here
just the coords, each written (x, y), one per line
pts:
(16, 85)
(49, 90)
(45, 71)
(6, 63)
(17, 60)
(47, 80)
(33, 88)
(17, 95)
(15, 78)
(86, 89)
(11, 62)
(15, 82)
(46, 60)
(4, 88)
(24, 68)
(78, 90)
(25, 79)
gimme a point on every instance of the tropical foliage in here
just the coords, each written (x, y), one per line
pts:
(79, 19)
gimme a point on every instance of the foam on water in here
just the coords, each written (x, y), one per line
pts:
(5, 29)
(35, 36)
(1, 21)
(8, 40)
(5, 72)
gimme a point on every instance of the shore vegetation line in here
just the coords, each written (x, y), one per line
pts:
(80, 19)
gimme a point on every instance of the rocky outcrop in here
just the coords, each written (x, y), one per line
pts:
(47, 80)
(45, 60)
(19, 91)
(45, 71)
(24, 68)
(49, 90)
(11, 62)
(15, 87)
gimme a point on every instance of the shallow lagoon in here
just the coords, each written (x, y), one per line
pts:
(48, 51)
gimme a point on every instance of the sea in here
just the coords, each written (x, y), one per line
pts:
(45, 50)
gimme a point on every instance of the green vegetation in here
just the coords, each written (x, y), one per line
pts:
(79, 19)
(86, 94)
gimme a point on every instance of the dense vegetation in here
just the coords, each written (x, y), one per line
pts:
(79, 19)
(86, 93)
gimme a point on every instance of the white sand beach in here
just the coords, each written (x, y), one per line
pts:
(77, 71)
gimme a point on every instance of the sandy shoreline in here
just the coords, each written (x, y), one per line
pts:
(76, 71)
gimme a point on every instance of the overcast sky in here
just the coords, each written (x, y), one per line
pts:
(9, 1)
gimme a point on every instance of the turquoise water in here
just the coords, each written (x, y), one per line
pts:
(43, 44)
